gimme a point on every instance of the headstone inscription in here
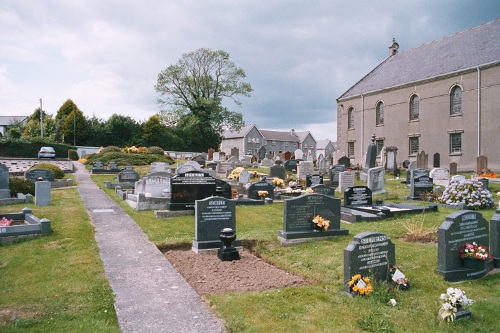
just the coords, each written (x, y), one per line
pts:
(495, 238)
(305, 168)
(42, 193)
(254, 188)
(244, 177)
(335, 171)
(277, 170)
(460, 227)
(291, 165)
(155, 184)
(4, 182)
(189, 187)
(346, 180)
(390, 161)
(39, 174)
(128, 175)
(314, 180)
(376, 180)
(323, 189)
(422, 160)
(345, 161)
(369, 254)
(420, 183)
(440, 176)
(298, 218)
(358, 196)
(159, 167)
(211, 216)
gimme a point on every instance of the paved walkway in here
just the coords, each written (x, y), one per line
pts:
(150, 295)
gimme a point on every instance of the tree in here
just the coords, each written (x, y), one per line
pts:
(195, 87)
(75, 128)
(121, 131)
(32, 128)
(64, 111)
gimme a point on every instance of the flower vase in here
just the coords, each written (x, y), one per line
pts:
(473, 263)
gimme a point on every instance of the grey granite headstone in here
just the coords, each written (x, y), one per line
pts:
(262, 153)
(42, 193)
(299, 213)
(458, 178)
(305, 168)
(4, 182)
(376, 180)
(98, 165)
(323, 189)
(211, 216)
(370, 254)
(254, 188)
(481, 164)
(277, 170)
(314, 179)
(346, 180)
(299, 154)
(39, 174)
(159, 167)
(267, 162)
(244, 177)
(420, 183)
(156, 184)
(322, 164)
(371, 155)
(460, 227)
(335, 171)
(189, 166)
(422, 160)
(440, 176)
(495, 238)
(485, 182)
(128, 175)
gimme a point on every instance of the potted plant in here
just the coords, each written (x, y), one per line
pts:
(474, 256)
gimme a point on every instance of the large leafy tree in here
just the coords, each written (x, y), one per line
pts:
(75, 128)
(64, 111)
(192, 91)
(32, 128)
(121, 131)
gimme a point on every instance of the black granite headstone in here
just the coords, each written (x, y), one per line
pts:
(485, 182)
(211, 216)
(277, 170)
(345, 161)
(39, 174)
(323, 189)
(460, 227)
(369, 254)
(358, 196)
(420, 183)
(191, 186)
(334, 172)
(299, 213)
(436, 160)
(313, 180)
(254, 188)
(223, 189)
(291, 165)
(371, 155)
(262, 153)
(128, 175)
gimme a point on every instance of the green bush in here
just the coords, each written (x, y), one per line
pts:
(21, 185)
(110, 149)
(156, 150)
(73, 155)
(58, 173)
(18, 148)
(124, 159)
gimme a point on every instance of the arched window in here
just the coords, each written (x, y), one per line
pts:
(380, 113)
(456, 100)
(414, 107)
(350, 118)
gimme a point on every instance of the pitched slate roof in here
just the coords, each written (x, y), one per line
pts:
(279, 135)
(241, 134)
(459, 52)
(6, 120)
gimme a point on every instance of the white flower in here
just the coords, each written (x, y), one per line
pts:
(393, 302)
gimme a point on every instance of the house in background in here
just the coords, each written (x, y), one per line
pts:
(6, 121)
(249, 140)
(441, 97)
(325, 147)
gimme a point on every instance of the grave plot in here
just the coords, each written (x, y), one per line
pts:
(23, 223)
(358, 206)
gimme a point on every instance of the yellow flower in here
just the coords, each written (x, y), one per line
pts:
(355, 288)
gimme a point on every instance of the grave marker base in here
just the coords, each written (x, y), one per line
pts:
(213, 246)
(293, 237)
(466, 273)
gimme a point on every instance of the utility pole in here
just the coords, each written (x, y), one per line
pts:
(41, 119)
(74, 128)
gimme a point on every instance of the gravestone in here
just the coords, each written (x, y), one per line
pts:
(460, 227)
(211, 216)
(291, 165)
(304, 168)
(390, 160)
(155, 184)
(223, 189)
(97, 166)
(370, 254)
(200, 159)
(189, 187)
(216, 156)
(376, 180)
(481, 164)
(188, 167)
(277, 170)
(436, 161)
(267, 162)
(299, 213)
(453, 168)
(371, 155)
(262, 153)
(322, 164)
(420, 183)
(309, 156)
(458, 178)
(358, 196)
(4, 182)
(210, 154)
(299, 154)
(406, 164)
(128, 175)
(411, 166)
(346, 180)
(440, 176)
(323, 189)
(233, 159)
(112, 166)
(42, 193)
(422, 160)
(235, 152)
(288, 155)
(254, 188)
(244, 177)
(314, 179)
(334, 172)
(39, 174)
(495, 238)
(224, 168)
(485, 182)
(159, 167)
(345, 161)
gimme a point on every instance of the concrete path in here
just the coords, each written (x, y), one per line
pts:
(150, 295)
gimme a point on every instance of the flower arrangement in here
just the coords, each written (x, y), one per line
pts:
(278, 182)
(4, 222)
(488, 173)
(262, 194)
(321, 222)
(292, 184)
(475, 251)
(453, 300)
(399, 278)
(235, 174)
(469, 192)
(360, 285)
(309, 190)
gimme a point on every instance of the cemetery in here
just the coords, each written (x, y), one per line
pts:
(353, 236)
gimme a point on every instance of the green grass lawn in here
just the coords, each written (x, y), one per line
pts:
(56, 283)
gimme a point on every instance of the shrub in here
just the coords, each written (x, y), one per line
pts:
(73, 155)
(156, 150)
(110, 149)
(58, 173)
(21, 185)
(123, 159)
(469, 192)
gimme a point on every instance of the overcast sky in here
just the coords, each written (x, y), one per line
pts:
(299, 56)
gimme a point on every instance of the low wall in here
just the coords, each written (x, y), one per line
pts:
(33, 225)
